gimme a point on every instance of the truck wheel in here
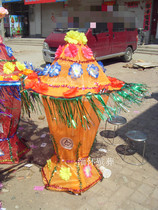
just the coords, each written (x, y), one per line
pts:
(128, 54)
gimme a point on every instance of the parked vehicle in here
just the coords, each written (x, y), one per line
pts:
(107, 40)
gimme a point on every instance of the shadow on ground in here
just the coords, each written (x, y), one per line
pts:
(146, 122)
(38, 140)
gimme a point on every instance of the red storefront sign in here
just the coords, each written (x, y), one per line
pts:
(41, 1)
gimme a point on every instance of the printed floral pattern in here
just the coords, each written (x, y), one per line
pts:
(87, 170)
(93, 70)
(75, 70)
(65, 173)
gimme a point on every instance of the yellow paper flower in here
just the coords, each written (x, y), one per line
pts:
(21, 67)
(1, 78)
(27, 71)
(15, 77)
(8, 68)
(75, 37)
(49, 164)
(65, 173)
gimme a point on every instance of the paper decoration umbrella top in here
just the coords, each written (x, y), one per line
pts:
(74, 72)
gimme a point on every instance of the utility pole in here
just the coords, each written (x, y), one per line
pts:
(2, 24)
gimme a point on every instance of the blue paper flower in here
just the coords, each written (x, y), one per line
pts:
(93, 70)
(54, 70)
(29, 65)
(102, 65)
(75, 71)
(45, 71)
(9, 51)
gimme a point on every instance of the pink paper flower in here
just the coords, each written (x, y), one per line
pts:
(3, 12)
(87, 170)
(59, 51)
(71, 51)
(87, 52)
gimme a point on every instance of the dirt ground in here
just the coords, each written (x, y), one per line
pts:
(129, 187)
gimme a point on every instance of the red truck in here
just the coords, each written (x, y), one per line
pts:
(107, 40)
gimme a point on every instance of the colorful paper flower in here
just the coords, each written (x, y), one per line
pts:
(71, 51)
(27, 71)
(102, 65)
(74, 37)
(87, 171)
(58, 51)
(54, 70)
(115, 83)
(45, 71)
(93, 70)
(32, 76)
(15, 77)
(1, 78)
(9, 51)
(41, 87)
(65, 173)
(21, 67)
(8, 68)
(30, 84)
(75, 70)
(87, 52)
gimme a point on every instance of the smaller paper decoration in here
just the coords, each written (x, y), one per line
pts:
(87, 171)
(75, 70)
(65, 173)
(93, 70)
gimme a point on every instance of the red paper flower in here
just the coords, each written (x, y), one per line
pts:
(102, 88)
(87, 52)
(41, 87)
(30, 84)
(115, 83)
(32, 76)
(58, 51)
(71, 51)
(70, 92)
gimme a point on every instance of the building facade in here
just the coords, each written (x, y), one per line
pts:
(44, 17)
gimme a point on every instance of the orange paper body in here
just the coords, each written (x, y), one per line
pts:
(72, 146)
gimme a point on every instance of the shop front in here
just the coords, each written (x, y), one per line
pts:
(16, 24)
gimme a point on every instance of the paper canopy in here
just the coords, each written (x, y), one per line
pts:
(74, 72)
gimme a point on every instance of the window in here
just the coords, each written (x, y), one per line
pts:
(100, 28)
(118, 27)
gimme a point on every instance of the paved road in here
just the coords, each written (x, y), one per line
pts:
(129, 187)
